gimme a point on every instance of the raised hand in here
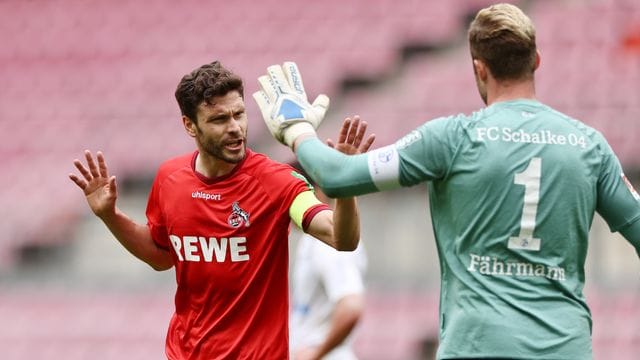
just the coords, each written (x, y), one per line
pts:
(99, 189)
(284, 105)
(351, 136)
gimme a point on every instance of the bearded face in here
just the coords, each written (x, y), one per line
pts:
(221, 128)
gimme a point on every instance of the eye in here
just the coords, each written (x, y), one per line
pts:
(217, 120)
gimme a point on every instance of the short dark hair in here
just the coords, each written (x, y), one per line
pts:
(504, 38)
(204, 83)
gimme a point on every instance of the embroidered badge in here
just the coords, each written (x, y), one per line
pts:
(238, 216)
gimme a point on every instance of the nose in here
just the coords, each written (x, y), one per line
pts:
(235, 125)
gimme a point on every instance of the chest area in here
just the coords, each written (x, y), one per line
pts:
(226, 223)
(228, 209)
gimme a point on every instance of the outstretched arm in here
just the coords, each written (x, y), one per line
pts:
(101, 193)
(292, 120)
(341, 227)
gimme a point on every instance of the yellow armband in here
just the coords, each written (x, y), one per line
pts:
(303, 202)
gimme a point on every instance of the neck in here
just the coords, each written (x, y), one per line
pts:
(510, 90)
(213, 167)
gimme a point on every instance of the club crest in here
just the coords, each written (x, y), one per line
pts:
(238, 216)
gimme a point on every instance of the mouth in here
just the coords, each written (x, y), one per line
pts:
(235, 145)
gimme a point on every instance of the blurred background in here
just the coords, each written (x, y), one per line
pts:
(100, 75)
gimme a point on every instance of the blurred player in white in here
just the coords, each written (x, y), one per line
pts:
(327, 297)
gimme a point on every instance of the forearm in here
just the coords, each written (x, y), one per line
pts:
(346, 315)
(136, 238)
(346, 224)
(337, 174)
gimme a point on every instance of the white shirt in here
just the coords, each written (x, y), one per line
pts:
(321, 277)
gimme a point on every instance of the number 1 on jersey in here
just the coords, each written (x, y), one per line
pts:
(530, 178)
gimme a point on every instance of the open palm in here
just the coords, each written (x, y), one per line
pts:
(350, 139)
(99, 189)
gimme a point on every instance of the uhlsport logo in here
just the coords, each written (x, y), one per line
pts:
(238, 216)
(205, 196)
(295, 78)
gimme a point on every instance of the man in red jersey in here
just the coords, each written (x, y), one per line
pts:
(221, 216)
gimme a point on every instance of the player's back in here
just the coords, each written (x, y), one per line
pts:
(512, 214)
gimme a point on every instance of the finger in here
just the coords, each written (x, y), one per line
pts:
(331, 144)
(113, 190)
(346, 125)
(360, 132)
(83, 170)
(262, 99)
(364, 147)
(102, 165)
(268, 88)
(294, 78)
(92, 165)
(80, 182)
(321, 103)
(353, 130)
(279, 80)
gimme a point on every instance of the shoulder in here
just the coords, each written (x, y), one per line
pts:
(443, 130)
(263, 167)
(274, 176)
(593, 137)
(174, 164)
(452, 124)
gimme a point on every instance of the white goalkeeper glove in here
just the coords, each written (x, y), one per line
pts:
(284, 104)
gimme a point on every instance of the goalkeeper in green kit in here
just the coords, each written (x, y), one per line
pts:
(513, 190)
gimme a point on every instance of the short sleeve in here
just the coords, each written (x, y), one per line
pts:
(428, 152)
(155, 218)
(285, 184)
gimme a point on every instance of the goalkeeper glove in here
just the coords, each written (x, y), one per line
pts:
(284, 105)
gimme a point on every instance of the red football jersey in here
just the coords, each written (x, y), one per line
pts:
(229, 241)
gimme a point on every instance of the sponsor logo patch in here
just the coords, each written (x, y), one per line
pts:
(238, 216)
(205, 196)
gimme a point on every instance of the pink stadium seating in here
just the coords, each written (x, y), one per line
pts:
(105, 326)
(101, 75)
(589, 74)
(78, 326)
(586, 72)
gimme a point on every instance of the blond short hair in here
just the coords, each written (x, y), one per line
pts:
(504, 38)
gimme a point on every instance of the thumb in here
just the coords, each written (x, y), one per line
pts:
(113, 189)
(321, 103)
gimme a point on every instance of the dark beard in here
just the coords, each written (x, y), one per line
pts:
(217, 151)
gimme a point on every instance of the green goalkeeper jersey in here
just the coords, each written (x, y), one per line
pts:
(513, 191)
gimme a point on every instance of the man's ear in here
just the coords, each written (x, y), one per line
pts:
(481, 69)
(189, 126)
(537, 63)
